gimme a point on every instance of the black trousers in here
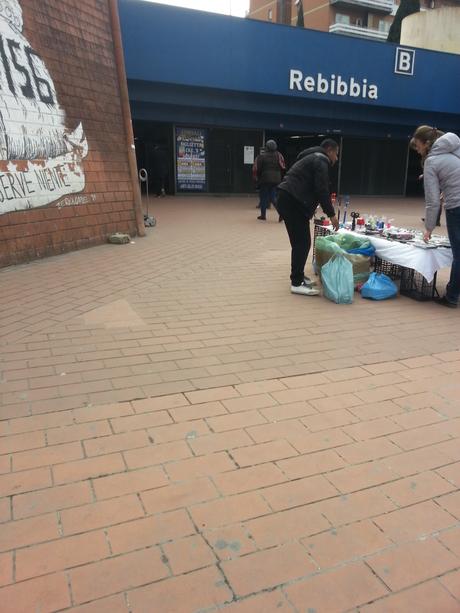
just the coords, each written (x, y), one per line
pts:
(298, 228)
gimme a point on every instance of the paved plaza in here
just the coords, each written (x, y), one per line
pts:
(180, 434)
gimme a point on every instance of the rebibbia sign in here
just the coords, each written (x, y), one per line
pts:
(334, 85)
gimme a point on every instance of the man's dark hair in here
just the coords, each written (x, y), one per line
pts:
(329, 143)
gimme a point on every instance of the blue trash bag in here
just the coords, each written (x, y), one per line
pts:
(369, 250)
(379, 287)
(337, 280)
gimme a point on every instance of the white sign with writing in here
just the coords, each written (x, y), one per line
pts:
(404, 61)
(248, 154)
(40, 157)
(335, 85)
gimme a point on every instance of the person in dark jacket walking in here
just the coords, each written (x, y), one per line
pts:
(269, 168)
(305, 185)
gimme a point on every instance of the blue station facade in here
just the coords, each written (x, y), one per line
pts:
(207, 90)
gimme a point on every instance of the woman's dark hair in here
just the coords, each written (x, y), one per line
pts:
(427, 134)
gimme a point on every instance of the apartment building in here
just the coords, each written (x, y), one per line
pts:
(369, 19)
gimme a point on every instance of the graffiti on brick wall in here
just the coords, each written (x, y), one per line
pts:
(40, 158)
(74, 200)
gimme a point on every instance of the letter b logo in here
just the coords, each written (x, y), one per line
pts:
(404, 61)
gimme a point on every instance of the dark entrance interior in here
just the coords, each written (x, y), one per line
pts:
(227, 172)
(414, 170)
(371, 167)
(291, 144)
(154, 152)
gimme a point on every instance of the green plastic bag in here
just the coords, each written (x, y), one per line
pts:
(337, 280)
(349, 241)
(327, 246)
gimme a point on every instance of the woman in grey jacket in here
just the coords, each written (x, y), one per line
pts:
(441, 174)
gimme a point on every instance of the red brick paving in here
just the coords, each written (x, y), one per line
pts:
(240, 449)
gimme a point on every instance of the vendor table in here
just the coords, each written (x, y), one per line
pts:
(425, 261)
(418, 266)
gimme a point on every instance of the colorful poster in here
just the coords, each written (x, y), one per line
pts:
(191, 160)
(40, 155)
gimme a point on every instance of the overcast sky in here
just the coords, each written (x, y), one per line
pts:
(238, 8)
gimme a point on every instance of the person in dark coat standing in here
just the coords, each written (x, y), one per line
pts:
(269, 168)
(305, 185)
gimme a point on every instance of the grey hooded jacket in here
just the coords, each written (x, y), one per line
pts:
(441, 173)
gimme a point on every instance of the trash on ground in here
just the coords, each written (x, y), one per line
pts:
(119, 238)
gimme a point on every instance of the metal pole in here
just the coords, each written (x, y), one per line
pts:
(406, 172)
(339, 172)
(144, 178)
(174, 157)
(126, 113)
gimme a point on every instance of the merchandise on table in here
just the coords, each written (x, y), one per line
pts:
(440, 241)
(419, 260)
(421, 244)
(379, 227)
(399, 234)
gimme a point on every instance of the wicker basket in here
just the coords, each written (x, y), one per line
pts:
(414, 285)
(387, 268)
(319, 230)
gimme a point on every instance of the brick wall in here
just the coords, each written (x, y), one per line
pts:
(259, 9)
(64, 175)
(281, 10)
(317, 15)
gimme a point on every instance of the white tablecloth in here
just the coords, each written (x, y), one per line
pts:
(424, 261)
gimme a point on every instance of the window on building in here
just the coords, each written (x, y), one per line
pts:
(384, 26)
(339, 18)
(270, 15)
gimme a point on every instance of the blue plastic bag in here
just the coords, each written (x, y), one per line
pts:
(337, 280)
(379, 287)
(369, 250)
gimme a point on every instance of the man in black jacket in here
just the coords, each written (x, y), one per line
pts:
(305, 185)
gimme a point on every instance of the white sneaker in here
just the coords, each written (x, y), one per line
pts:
(304, 289)
(309, 282)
